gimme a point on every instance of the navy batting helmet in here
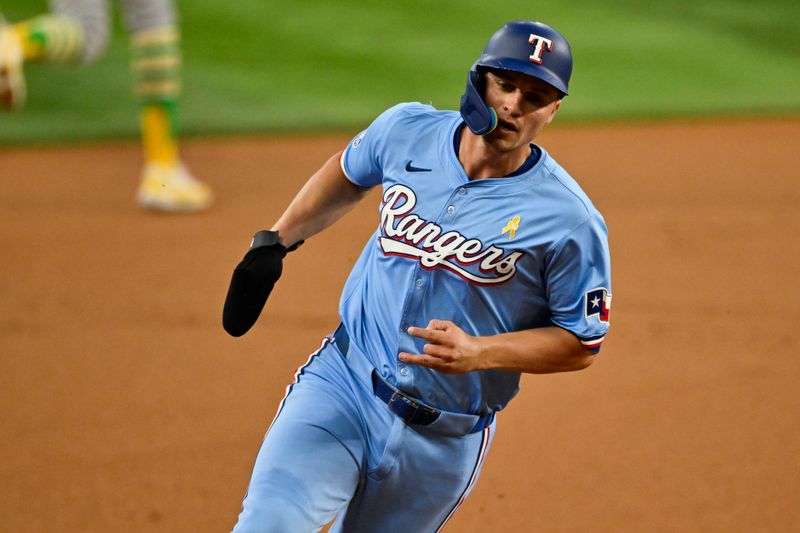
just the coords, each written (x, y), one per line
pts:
(524, 46)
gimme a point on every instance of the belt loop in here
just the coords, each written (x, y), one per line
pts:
(483, 422)
(341, 339)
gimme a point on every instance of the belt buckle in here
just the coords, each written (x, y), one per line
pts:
(430, 411)
(409, 402)
(410, 410)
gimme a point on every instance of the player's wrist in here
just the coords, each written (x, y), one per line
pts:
(482, 355)
(274, 236)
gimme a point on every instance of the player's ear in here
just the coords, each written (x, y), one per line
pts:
(556, 106)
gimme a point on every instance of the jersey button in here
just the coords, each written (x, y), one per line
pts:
(462, 191)
(420, 282)
(403, 370)
(451, 209)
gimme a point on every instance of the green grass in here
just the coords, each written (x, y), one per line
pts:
(266, 66)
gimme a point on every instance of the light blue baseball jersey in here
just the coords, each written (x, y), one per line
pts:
(492, 255)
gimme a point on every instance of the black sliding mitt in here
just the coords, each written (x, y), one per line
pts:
(252, 282)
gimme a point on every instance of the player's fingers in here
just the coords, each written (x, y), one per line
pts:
(421, 360)
(435, 336)
(439, 351)
(439, 324)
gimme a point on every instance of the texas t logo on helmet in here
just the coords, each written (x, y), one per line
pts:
(539, 43)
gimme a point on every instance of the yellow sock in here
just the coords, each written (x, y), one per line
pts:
(156, 62)
(50, 38)
(158, 133)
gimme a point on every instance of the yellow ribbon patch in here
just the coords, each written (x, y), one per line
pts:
(512, 227)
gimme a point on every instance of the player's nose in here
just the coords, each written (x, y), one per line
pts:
(513, 102)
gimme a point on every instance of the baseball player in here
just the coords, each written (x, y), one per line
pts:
(77, 31)
(488, 261)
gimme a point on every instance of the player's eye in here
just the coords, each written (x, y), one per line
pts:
(539, 99)
(535, 99)
(505, 86)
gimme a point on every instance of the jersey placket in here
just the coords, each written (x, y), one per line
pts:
(418, 290)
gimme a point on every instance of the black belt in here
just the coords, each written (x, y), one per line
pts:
(403, 405)
(406, 407)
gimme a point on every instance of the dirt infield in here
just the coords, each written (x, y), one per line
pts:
(124, 407)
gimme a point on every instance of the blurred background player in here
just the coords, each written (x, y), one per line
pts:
(77, 31)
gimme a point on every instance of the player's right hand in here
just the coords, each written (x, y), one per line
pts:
(252, 282)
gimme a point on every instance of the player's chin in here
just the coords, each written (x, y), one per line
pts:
(503, 143)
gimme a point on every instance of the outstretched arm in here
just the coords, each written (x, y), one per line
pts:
(451, 350)
(323, 200)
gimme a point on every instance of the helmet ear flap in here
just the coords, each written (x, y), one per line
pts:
(480, 118)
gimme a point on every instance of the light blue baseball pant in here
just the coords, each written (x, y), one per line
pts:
(334, 450)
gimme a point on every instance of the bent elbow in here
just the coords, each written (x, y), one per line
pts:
(583, 360)
(573, 363)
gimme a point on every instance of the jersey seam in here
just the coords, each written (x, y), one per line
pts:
(570, 191)
(556, 248)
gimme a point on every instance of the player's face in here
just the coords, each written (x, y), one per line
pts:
(524, 105)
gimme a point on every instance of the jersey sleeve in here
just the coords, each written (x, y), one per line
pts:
(579, 283)
(362, 160)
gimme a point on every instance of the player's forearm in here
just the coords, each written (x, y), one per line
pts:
(323, 200)
(534, 351)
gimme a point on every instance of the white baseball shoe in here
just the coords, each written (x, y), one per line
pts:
(173, 189)
(12, 80)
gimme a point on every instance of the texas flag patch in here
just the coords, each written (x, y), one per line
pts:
(598, 303)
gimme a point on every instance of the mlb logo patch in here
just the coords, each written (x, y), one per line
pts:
(598, 303)
(359, 139)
